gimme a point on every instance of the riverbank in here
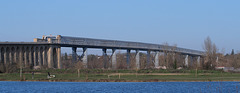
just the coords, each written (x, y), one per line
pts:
(121, 76)
(106, 80)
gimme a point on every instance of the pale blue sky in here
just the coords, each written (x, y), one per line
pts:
(183, 22)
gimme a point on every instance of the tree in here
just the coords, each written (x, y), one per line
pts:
(232, 52)
(210, 53)
(65, 56)
(170, 55)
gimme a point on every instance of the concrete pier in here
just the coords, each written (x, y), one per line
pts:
(44, 61)
(25, 57)
(156, 59)
(186, 61)
(34, 56)
(198, 61)
(10, 57)
(21, 56)
(59, 62)
(191, 60)
(5, 55)
(148, 58)
(74, 54)
(15, 54)
(50, 57)
(30, 57)
(85, 58)
(114, 59)
(0, 54)
(39, 57)
(128, 58)
(137, 58)
(104, 54)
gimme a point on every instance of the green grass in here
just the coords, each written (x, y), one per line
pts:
(72, 75)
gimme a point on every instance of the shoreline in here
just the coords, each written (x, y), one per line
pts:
(122, 76)
(121, 80)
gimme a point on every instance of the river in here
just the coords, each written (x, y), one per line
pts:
(119, 87)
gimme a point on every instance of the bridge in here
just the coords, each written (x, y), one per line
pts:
(46, 51)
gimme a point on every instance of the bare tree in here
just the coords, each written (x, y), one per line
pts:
(170, 56)
(165, 51)
(210, 53)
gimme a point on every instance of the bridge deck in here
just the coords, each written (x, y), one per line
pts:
(66, 41)
(116, 44)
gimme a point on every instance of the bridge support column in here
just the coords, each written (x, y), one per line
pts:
(186, 61)
(198, 61)
(10, 56)
(85, 58)
(39, 57)
(137, 60)
(104, 58)
(25, 57)
(5, 55)
(114, 59)
(21, 56)
(15, 55)
(34, 56)
(148, 58)
(0, 55)
(44, 56)
(50, 57)
(74, 54)
(30, 57)
(59, 58)
(191, 60)
(157, 59)
(128, 58)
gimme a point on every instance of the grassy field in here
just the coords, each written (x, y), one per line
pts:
(122, 75)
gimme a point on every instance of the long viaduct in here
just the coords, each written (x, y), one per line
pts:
(46, 51)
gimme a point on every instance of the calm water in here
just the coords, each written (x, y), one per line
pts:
(93, 87)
